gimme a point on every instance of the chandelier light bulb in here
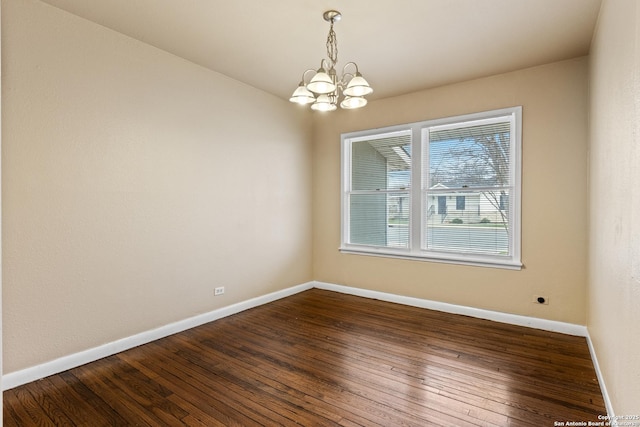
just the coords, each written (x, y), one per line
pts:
(325, 89)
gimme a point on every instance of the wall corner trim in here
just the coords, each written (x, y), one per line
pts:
(603, 387)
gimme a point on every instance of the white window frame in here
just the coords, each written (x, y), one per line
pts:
(417, 223)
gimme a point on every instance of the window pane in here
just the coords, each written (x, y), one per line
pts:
(466, 157)
(379, 219)
(481, 226)
(381, 163)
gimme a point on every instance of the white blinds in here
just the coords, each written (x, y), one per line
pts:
(379, 194)
(468, 182)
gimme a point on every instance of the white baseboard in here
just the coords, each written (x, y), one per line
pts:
(603, 387)
(497, 316)
(64, 363)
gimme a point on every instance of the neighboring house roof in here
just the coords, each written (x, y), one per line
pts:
(439, 186)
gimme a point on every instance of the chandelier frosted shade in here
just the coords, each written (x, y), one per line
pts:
(357, 86)
(321, 83)
(323, 103)
(325, 89)
(302, 95)
(351, 102)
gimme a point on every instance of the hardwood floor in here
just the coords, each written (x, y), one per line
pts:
(320, 358)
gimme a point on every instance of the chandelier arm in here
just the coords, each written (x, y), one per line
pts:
(324, 64)
(346, 77)
(304, 75)
(345, 68)
(344, 80)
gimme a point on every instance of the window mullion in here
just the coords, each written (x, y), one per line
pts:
(416, 217)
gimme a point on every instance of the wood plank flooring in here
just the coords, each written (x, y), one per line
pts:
(321, 358)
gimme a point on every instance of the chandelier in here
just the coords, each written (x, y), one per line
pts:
(325, 88)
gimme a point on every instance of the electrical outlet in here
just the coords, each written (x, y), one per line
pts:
(540, 300)
(218, 291)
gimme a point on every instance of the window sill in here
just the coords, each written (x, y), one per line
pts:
(459, 259)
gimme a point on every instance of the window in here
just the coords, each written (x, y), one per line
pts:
(443, 190)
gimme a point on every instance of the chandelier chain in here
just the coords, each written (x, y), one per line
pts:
(332, 46)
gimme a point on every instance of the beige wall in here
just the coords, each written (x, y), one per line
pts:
(554, 196)
(133, 183)
(614, 257)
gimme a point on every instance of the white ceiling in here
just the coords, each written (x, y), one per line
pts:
(400, 46)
